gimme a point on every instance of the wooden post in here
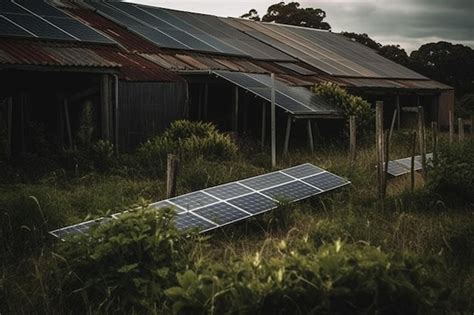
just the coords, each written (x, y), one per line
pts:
(379, 148)
(236, 109)
(386, 159)
(171, 175)
(398, 112)
(451, 127)
(273, 120)
(68, 123)
(8, 149)
(460, 129)
(412, 168)
(434, 140)
(395, 114)
(287, 135)
(264, 127)
(422, 141)
(117, 112)
(310, 136)
(352, 140)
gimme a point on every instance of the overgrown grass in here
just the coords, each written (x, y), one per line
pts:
(418, 222)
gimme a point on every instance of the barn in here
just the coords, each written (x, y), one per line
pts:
(139, 68)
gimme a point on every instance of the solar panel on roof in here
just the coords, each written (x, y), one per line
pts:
(296, 68)
(38, 27)
(41, 8)
(7, 28)
(221, 205)
(79, 30)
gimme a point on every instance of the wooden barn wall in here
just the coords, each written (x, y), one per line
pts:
(446, 104)
(147, 109)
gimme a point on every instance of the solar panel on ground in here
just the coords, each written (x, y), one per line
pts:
(295, 100)
(403, 166)
(221, 205)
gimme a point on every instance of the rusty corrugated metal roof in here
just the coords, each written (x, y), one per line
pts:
(394, 84)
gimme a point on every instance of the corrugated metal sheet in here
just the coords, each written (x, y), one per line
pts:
(394, 84)
(329, 52)
(20, 52)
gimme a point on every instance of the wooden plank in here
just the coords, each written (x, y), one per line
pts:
(395, 114)
(287, 135)
(310, 136)
(399, 113)
(434, 140)
(422, 139)
(460, 129)
(171, 175)
(379, 148)
(264, 119)
(352, 139)
(412, 168)
(273, 120)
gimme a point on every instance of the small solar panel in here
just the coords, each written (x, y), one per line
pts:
(291, 192)
(222, 213)
(304, 170)
(228, 191)
(254, 203)
(266, 181)
(326, 181)
(193, 200)
(396, 169)
(189, 221)
(79, 30)
(406, 162)
(78, 228)
(38, 27)
(7, 28)
(403, 166)
(220, 205)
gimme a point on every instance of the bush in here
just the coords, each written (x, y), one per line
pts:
(189, 140)
(453, 171)
(349, 104)
(335, 278)
(121, 266)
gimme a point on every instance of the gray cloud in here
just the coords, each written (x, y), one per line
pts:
(409, 23)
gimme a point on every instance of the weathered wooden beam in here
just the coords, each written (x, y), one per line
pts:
(273, 120)
(412, 168)
(422, 139)
(287, 135)
(352, 139)
(395, 114)
(379, 148)
(171, 175)
(460, 129)
(310, 136)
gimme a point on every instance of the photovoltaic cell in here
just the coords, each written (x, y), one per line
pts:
(41, 8)
(254, 203)
(228, 191)
(396, 169)
(79, 30)
(326, 181)
(38, 27)
(7, 6)
(221, 213)
(291, 192)
(193, 200)
(9, 29)
(189, 221)
(304, 170)
(266, 181)
(220, 205)
(403, 166)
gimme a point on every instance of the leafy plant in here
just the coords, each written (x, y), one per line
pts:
(350, 105)
(335, 278)
(123, 265)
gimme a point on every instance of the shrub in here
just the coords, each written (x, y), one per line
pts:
(349, 104)
(453, 170)
(335, 278)
(188, 140)
(121, 266)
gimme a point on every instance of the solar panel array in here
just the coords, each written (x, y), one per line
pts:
(295, 100)
(329, 52)
(218, 206)
(403, 166)
(185, 30)
(38, 19)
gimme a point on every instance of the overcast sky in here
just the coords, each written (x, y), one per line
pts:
(409, 23)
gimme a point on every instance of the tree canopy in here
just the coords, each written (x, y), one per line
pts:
(292, 14)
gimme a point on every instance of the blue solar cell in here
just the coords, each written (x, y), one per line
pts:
(326, 181)
(396, 169)
(266, 181)
(189, 221)
(7, 28)
(291, 192)
(254, 203)
(193, 200)
(165, 204)
(7, 6)
(304, 170)
(39, 27)
(228, 191)
(406, 162)
(221, 213)
(41, 8)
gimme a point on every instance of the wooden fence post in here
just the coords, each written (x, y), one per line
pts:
(287, 135)
(422, 137)
(412, 169)
(273, 120)
(460, 129)
(395, 114)
(171, 175)
(451, 127)
(353, 139)
(379, 147)
(386, 158)
(310, 136)
(434, 140)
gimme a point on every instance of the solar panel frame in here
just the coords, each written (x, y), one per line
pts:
(8, 28)
(42, 29)
(244, 203)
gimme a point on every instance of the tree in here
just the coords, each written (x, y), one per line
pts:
(251, 15)
(292, 14)
(363, 39)
(395, 53)
(452, 64)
